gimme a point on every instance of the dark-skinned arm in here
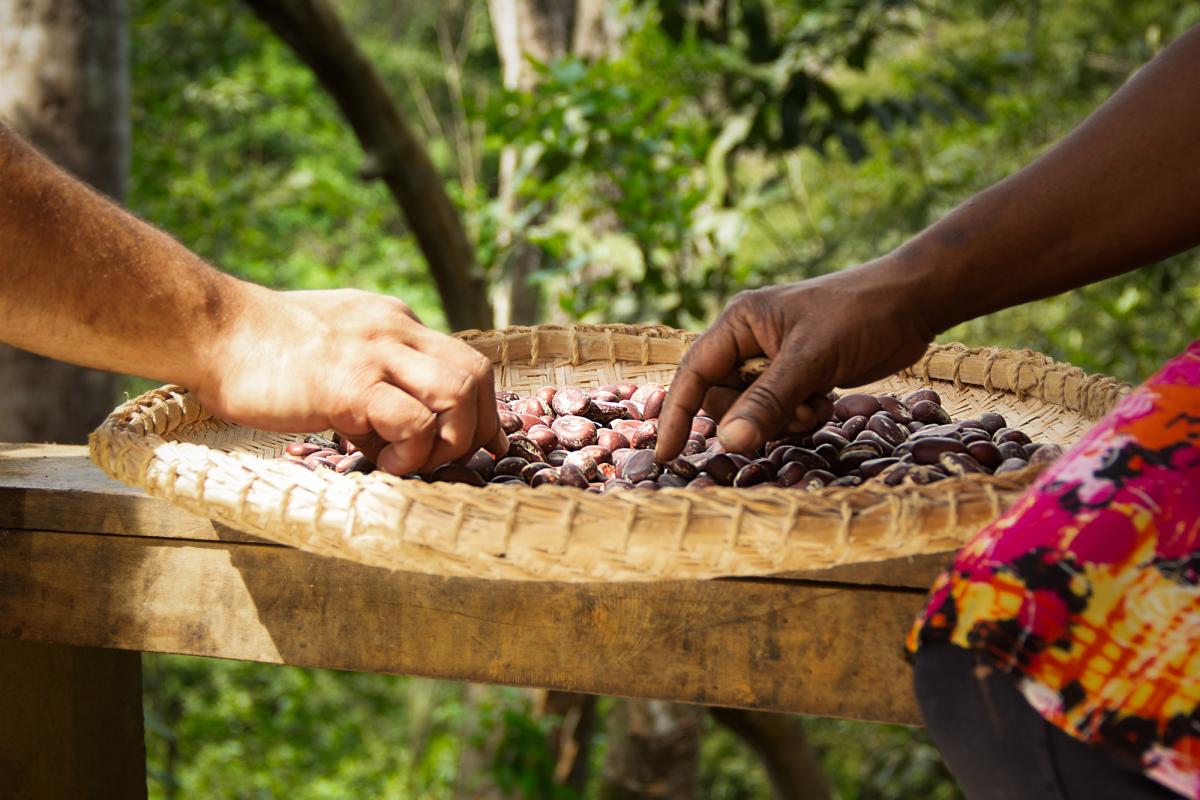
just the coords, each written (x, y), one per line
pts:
(86, 282)
(1121, 191)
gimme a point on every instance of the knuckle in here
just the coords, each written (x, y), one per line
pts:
(763, 403)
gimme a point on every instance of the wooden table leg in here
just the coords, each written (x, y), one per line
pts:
(70, 722)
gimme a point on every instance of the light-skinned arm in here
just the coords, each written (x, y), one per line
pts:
(82, 280)
(1119, 192)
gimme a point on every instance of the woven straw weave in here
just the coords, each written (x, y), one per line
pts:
(165, 443)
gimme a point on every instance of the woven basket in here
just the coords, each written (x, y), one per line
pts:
(165, 443)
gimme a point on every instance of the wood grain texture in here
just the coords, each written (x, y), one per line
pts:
(71, 722)
(767, 644)
(57, 488)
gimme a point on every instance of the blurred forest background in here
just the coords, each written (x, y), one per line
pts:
(647, 163)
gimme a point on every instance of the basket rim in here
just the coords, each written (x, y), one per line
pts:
(127, 443)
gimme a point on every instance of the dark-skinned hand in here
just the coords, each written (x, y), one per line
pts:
(843, 329)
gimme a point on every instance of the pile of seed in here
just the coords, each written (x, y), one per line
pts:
(603, 440)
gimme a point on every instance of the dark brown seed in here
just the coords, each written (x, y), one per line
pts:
(302, 449)
(960, 464)
(596, 487)
(626, 427)
(847, 480)
(739, 459)
(992, 421)
(644, 391)
(829, 437)
(915, 426)
(511, 465)
(722, 469)
(640, 466)
(645, 436)
(571, 401)
(1046, 454)
(601, 455)
(682, 467)
(778, 455)
(854, 457)
(556, 458)
(651, 485)
(317, 459)
(766, 464)
(912, 398)
(695, 444)
(505, 396)
(484, 463)
(871, 437)
(605, 437)
(617, 485)
(669, 480)
(355, 462)
(922, 475)
(930, 413)
(543, 476)
(529, 470)
(1010, 435)
(531, 406)
(605, 412)
(822, 476)
(887, 429)
(855, 405)
(621, 455)
(701, 482)
(573, 476)
(829, 453)
(608, 397)
(543, 437)
(950, 429)
(897, 410)
(1011, 465)
(809, 458)
(974, 435)
(456, 473)
(626, 390)
(631, 409)
(985, 453)
(502, 479)
(1011, 450)
(522, 446)
(791, 473)
(705, 426)
(752, 475)
(853, 427)
(583, 462)
(870, 469)
(929, 450)
(895, 474)
(654, 404)
(546, 394)
(574, 432)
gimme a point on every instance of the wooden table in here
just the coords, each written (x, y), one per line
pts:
(91, 572)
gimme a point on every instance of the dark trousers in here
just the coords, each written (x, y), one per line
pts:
(1000, 748)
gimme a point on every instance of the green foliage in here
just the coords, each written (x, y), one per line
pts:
(709, 154)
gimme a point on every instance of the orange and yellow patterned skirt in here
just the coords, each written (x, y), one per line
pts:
(1088, 589)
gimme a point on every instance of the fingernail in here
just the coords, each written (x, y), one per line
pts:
(738, 435)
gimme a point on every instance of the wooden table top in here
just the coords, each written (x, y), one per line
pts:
(87, 561)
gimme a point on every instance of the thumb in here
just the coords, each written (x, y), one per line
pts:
(770, 403)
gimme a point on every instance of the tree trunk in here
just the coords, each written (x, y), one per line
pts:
(653, 751)
(779, 741)
(65, 87)
(393, 153)
(570, 739)
(544, 30)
